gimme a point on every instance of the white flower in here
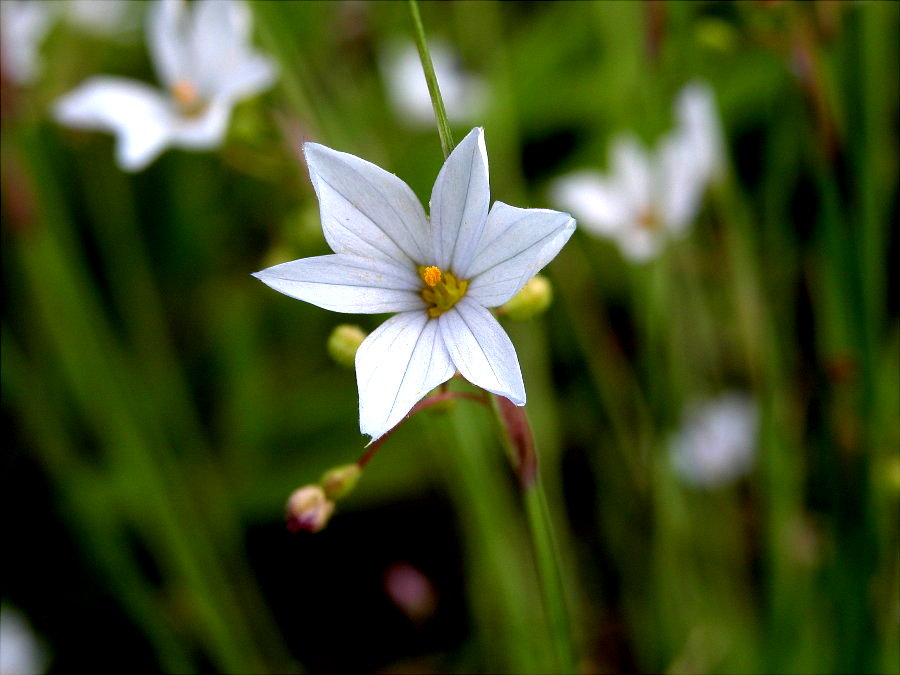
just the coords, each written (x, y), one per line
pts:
(21, 653)
(101, 17)
(716, 442)
(648, 198)
(204, 59)
(23, 26)
(441, 275)
(464, 94)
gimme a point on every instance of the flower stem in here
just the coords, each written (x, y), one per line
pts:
(440, 113)
(519, 440)
(421, 405)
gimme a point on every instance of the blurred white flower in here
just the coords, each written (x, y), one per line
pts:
(464, 95)
(102, 17)
(649, 197)
(21, 652)
(202, 56)
(441, 274)
(717, 441)
(23, 26)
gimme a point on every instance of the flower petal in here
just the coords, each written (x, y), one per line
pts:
(225, 64)
(165, 37)
(681, 179)
(515, 245)
(631, 171)
(459, 204)
(365, 210)
(699, 121)
(137, 114)
(345, 283)
(398, 364)
(205, 130)
(481, 350)
(593, 199)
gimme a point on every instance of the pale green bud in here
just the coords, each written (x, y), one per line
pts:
(308, 509)
(534, 298)
(343, 343)
(340, 481)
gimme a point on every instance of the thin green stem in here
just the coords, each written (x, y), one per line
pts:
(517, 436)
(434, 90)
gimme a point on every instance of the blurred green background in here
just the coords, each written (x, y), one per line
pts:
(161, 404)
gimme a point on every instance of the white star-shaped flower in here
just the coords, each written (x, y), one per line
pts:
(649, 197)
(204, 59)
(464, 94)
(717, 441)
(441, 275)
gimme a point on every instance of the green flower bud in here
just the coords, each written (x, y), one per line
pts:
(340, 481)
(534, 298)
(308, 509)
(343, 343)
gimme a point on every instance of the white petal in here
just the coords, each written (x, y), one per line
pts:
(698, 119)
(248, 76)
(203, 131)
(365, 210)
(681, 182)
(516, 244)
(591, 198)
(224, 63)
(344, 283)
(166, 39)
(481, 350)
(631, 171)
(23, 26)
(638, 244)
(459, 204)
(396, 366)
(137, 114)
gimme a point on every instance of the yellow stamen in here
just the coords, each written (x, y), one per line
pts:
(431, 275)
(649, 220)
(442, 290)
(184, 93)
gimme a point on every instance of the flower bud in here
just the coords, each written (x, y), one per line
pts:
(340, 481)
(534, 298)
(343, 343)
(308, 509)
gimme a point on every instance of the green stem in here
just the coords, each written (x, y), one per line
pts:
(519, 440)
(439, 112)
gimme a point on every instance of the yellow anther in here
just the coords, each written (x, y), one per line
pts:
(648, 219)
(442, 290)
(184, 93)
(431, 275)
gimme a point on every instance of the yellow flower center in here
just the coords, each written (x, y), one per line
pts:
(185, 95)
(442, 290)
(649, 219)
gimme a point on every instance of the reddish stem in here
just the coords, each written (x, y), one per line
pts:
(421, 405)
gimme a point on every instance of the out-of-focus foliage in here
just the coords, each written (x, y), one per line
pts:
(162, 404)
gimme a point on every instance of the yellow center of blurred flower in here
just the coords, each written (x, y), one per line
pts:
(185, 95)
(442, 290)
(649, 220)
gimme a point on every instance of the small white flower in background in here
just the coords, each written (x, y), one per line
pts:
(202, 56)
(716, 442)
(102, 17)
(23, 26)
(21, 653)
(649, 197)
(441, 275)
(464, 95)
